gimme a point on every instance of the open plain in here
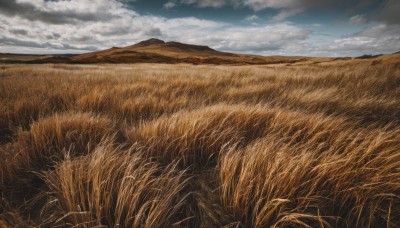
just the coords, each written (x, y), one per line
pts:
(308, 144)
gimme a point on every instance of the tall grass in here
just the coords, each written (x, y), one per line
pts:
(307, 145)
(114, 188)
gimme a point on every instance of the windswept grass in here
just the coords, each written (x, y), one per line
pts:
(114, 188)
(307, 145)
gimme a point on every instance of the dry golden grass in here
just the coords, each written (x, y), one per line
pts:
(307, 145)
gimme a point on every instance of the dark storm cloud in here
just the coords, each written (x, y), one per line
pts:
(390, 12)
(386, 10)
(262, 4)
(10, 7)
(22, 32)
(20, 43)
(37, 11)
(29, 11)
(33, 44)
(53, 36)
(286, 8)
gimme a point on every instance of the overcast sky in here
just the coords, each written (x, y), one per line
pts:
(267, 27)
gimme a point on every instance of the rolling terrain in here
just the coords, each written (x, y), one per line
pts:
(305, 144)
(158, 51)
(29, 58)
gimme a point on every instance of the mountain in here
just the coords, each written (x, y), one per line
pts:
(158, 51)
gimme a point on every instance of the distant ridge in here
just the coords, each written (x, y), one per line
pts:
(152, 41)
(158, 51)
(189, 47)
(172, 44)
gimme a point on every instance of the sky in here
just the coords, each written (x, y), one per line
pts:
(265, 27)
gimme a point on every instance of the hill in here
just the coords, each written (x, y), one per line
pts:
(158, 51)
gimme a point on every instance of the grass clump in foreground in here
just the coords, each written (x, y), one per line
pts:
(312, 145)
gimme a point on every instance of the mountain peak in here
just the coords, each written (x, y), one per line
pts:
(152, 41)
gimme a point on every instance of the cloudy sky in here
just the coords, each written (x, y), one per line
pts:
(267, 27)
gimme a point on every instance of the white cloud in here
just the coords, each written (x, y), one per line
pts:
(82, 31)
(205, 3)
(251, 18)
(169, 5)
(253, 4)
(263, 4)
(378, 39)
(258, 38)
(288, 8)
(284, 14)
(358, 20)
(121, 27)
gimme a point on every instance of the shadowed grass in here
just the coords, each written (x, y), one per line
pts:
(43, 146)
(114, 188)
(271, 183)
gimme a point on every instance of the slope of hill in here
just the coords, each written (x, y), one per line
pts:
(26, 58)
(158, 51)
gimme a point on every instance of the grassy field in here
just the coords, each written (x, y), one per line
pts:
(311, 145)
